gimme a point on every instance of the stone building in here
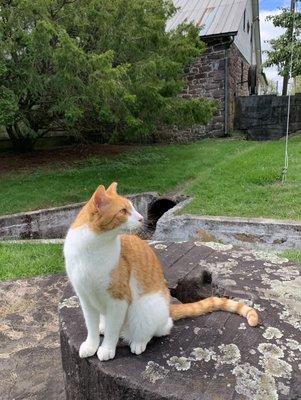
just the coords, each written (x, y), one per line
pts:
(231, 65)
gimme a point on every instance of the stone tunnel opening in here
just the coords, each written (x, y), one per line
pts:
(155, 211)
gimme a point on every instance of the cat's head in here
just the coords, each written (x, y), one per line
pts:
(110, 211)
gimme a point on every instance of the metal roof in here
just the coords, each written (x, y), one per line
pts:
(214, 17)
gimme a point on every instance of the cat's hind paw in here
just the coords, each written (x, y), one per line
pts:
(87, 349)
(138, 348)
(105, 353)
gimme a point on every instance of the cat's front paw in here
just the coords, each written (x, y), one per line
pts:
(105, 353)
(87, 349)
(138, 348)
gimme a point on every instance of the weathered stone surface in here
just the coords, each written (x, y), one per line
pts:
(54, 222)
(216, 356)
(30, 364)
(261, 233)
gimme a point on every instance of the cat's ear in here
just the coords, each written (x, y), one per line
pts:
(100, 197)
(112, 189)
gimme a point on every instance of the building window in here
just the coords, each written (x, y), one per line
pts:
(244, 23)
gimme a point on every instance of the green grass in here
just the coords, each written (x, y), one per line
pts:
(24, 260)
(225, 177)
(292, 255)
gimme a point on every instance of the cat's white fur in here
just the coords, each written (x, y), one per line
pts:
(89, 259)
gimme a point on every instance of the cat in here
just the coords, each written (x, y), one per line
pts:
(119, 279)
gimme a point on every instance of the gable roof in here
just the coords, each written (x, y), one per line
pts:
(214, 17)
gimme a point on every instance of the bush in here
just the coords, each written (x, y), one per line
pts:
(94, 66)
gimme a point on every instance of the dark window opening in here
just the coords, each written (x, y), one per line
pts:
(244, 23)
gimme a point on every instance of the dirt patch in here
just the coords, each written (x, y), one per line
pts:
(66, 156)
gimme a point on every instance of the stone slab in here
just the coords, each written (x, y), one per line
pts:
(216, 356)
(261, 233)
(54, 222)
(30, 361)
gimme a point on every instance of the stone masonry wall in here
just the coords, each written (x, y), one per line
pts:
(238, 80)
(206, 78)
(265, 117)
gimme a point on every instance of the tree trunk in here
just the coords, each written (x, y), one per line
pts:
(20, 143)
(285, 85)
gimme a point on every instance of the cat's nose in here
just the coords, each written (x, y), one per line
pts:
(140, 219)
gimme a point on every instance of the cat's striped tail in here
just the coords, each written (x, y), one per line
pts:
(178, 311)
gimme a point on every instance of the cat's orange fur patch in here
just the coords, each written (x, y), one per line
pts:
(137, 260)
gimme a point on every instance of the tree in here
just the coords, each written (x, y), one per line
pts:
(94, 66)
(281, 47)
(297, 85)
(270, 88)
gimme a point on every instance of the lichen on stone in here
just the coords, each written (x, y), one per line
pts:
(153, 372)
(269, 257)
(283, 389)
(229, 354)
(71, 302)
(180, 363)
(221, 269)
(271, 350)
(160, 246)
(293, 344)
(276, 367)
(272, 333)
(258, 307)
(215, 245)
(204, 354)
(254, 384)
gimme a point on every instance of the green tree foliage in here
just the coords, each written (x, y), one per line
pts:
(281, 47)
(270, 88)
(105, 66)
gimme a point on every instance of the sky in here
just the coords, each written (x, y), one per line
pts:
(268, 31)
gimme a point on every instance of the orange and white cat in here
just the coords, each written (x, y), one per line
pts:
(119, 279)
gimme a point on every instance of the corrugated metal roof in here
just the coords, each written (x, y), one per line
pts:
(214, 17)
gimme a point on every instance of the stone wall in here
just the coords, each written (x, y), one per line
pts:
(206, 78)
(265, 117)
(238, 81)
(54, 222)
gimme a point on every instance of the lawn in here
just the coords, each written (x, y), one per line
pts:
(26, 260)
(225, 177)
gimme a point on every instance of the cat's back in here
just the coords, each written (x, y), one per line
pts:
(136, 250)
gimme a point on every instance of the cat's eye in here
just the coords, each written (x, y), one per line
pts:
(124, 211)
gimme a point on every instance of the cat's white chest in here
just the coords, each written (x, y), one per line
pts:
(90, 258)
